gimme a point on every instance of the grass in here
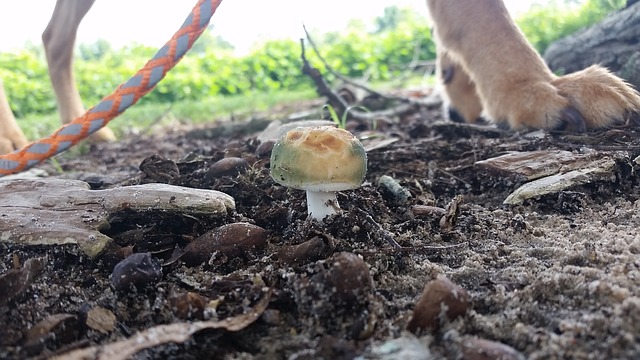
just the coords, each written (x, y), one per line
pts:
(142, 116)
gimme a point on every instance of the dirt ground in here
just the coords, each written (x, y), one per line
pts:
(557, 277)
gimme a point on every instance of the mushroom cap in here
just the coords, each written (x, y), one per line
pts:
(322, 158)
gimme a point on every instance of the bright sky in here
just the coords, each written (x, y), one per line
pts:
(152, 22)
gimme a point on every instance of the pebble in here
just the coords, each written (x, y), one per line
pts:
(405, 348)
(101, 320)
(138, 269)
(391, 186)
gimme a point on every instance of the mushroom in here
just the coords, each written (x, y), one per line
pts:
(320, 160)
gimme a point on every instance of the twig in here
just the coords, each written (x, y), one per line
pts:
(322, 87)
(338, 103)
(356, 84)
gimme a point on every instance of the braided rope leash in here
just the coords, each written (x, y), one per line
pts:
(125, 95)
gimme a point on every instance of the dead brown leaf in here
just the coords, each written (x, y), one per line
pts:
(162, 334)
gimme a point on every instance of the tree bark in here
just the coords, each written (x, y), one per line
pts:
(613, 43)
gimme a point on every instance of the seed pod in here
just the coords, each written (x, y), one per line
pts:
(188, 305)
(230, 166)
(311, 250)
(230, 240)
(440, 300)
(350, 277)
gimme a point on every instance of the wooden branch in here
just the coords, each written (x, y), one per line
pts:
(322, 87)
(56, 211)
(340, 105)
(428, 102)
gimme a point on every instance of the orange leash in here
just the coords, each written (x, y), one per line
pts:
(125, 95)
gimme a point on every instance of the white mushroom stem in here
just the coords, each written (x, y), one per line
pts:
(321, 204)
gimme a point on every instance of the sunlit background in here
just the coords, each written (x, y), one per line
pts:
(249, 60)
(240, 22)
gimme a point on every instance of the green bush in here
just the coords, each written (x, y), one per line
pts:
(543, 24)
(26, 80)
(212, 70)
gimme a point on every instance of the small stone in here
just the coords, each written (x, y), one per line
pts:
(101, 320)
(440, 300)
(406, 348)
(138, 269)
(272, 317)
(395, 191)
(264, 149)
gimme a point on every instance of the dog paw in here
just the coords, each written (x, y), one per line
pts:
(602, 99)
(11, 140)
(460, 96)
(589, 99)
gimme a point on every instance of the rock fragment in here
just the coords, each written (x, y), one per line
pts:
(137, 270)
(100, 319)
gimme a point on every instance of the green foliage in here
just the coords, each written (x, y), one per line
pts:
(25, 78)
(333, 114)
(543, 24)
(212, 69)
(341, 121)
(210, 41)
(381, 56)
(398, 37)
(392, 17)
(95, 51)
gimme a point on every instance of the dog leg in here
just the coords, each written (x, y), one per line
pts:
(514, 84)
(59, 38)
(11, 137)
(460, 97)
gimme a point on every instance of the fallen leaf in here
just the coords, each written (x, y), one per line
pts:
(62, 328)
(163, 334)
(15, 281)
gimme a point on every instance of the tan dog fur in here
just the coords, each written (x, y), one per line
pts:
(58, 39)
(480, 42)
(460, 95)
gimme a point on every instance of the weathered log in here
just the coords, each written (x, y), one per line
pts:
(614, 43)
(56, 211)
(550, 172)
